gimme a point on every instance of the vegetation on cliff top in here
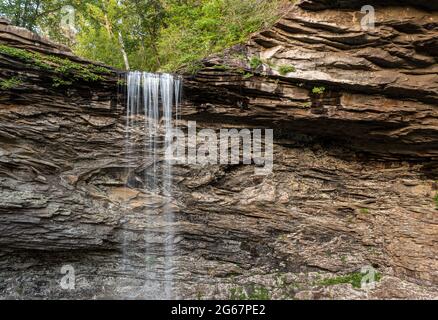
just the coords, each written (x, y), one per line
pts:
(65, 68)
(144, 34)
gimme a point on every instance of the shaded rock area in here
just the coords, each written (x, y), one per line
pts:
(353, 185)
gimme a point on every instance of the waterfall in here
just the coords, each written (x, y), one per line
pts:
(152, 108)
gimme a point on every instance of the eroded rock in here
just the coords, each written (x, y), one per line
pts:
(352, 186)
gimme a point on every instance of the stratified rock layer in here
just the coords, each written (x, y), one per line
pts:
(320, 76)
(353, 182)
(380, 87)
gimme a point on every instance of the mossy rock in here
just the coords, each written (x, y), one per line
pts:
(63, 66)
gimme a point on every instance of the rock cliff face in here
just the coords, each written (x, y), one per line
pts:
(379, 87)
(355, 120)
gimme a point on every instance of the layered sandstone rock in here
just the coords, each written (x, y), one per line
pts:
(353, 182)
(380, 87)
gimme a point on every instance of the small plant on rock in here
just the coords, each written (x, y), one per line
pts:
(10, 83)
(58, 82)
(221, 67)
(255, 62)
(307, 104)
(285, 69)
(121, 82)
(318, 90)
(247, 75)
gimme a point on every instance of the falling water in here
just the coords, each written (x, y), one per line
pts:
(153, 103)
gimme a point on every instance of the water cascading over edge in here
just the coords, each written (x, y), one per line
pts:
(152, 106)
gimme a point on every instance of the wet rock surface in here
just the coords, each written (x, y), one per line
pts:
(353, 184)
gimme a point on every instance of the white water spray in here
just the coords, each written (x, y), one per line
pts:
(153, 103)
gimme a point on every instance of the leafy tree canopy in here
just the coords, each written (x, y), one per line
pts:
(144, 34)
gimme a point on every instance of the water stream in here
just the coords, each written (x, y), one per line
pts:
(153, 105)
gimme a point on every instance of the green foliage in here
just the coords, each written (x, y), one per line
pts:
(97, 45)
(255, 62)
(99, 69)
(165, 35)
(121, 82)
(237, 294)
(193, 67)
(354, 279)
(244, 73)
(111, 30)
(67, 67)
(318, 90)
(364, 210)
(63, 66)
(436, 200)
(31, 14)
(10, 83)
(238, 56)
(20, 54)
(255, 293)
(285, 69)
(195, 29)
(58, 82)
(221, 67)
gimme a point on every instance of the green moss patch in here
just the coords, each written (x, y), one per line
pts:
(10, 83)
(354, 279)
(64, 67)
(221, 67)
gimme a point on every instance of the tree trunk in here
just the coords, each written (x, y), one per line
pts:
(108, 27)
(122, 49)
